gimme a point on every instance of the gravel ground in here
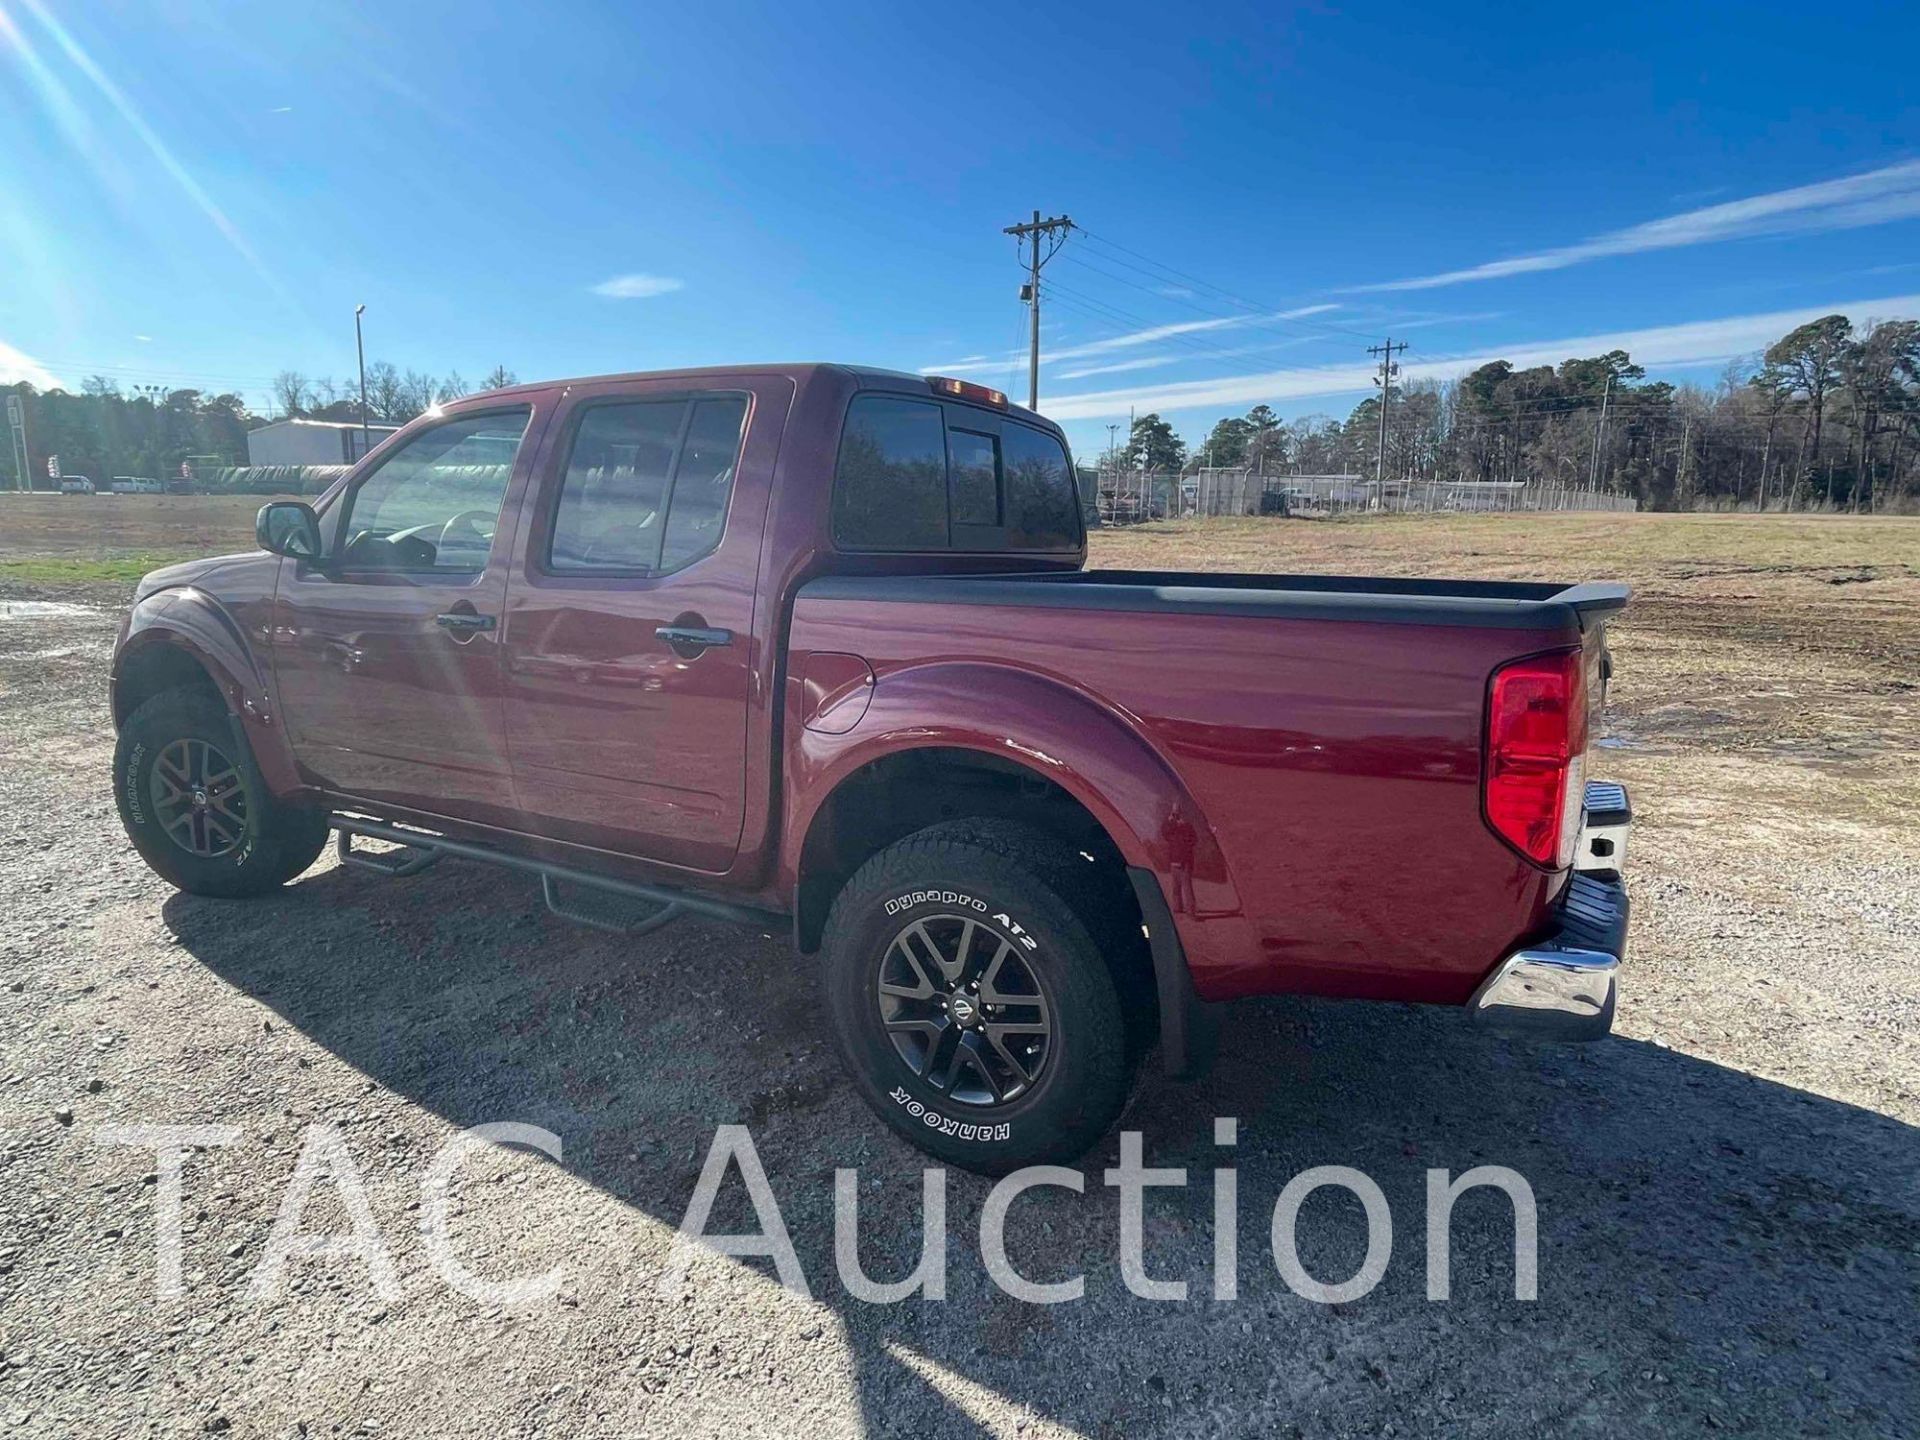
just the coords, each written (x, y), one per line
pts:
(1728, 1191)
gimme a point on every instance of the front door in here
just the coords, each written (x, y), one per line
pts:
(387, 655)
(629, 652)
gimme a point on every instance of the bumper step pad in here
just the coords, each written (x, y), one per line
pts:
(1562, 988)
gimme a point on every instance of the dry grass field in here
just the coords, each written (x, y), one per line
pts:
(1729, 1225)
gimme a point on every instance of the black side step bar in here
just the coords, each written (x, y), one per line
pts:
(425, 848)
(662, 916)
(410, 861)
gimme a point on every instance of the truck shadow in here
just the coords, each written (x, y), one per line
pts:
(1714, 1248)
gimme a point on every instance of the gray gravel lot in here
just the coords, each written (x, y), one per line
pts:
(1729, 1190)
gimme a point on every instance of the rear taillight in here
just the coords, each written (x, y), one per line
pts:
(1536, 755)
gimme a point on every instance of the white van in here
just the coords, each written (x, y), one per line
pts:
(136, 485)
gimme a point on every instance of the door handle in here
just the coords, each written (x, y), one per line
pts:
(695, 638)
(464, 622)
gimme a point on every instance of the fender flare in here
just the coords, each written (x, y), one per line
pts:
(1091, 751)
(191, 622)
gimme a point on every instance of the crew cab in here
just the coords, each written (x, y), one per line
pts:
(813, 648)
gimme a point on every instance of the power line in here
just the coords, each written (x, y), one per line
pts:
(1242, 302)
(1255, 320)
(1101, 310)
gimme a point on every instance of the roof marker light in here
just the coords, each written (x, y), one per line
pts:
(965, 390)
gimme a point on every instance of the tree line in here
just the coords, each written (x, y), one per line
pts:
(1827, 417)
(107, 429)
(393, 397)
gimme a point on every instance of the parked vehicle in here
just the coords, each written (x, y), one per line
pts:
(812, 648)
(135, 485)
(75, 485)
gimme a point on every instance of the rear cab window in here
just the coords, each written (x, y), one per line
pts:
(921, 475)
(646, 485)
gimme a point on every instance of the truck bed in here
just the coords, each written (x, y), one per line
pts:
(1502, 604)
(1327, 728)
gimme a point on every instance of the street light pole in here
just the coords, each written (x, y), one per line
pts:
(360, 348)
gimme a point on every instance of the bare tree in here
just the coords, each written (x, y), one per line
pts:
(290, 392)
(453, 387)
(386, 393)
(417, 393)
(499, 378)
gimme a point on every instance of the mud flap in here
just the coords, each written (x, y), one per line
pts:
(1189, 1026)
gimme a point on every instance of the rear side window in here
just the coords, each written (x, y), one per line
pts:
(920, 475)
(890, 490)
(646, 485)
(1043, 513)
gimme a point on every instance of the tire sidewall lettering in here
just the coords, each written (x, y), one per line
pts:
(946, 1124)
(900, 904)
(132, 784)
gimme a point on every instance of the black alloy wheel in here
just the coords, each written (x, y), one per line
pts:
(964, 1009)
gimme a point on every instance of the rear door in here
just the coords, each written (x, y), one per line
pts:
(387, 657)
(630, 648)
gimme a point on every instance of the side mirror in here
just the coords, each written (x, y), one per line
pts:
(290, 528)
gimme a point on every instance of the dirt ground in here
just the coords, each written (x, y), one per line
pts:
(1728, 1190)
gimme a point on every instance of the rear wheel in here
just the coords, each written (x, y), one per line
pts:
(196, 807)
(971, 1001)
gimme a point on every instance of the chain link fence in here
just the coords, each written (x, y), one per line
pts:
(1129, 497)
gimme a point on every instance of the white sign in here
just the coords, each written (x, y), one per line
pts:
(53, 467)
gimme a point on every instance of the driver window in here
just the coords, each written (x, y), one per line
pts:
(434, 505)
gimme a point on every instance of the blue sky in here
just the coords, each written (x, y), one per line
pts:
(199, 191)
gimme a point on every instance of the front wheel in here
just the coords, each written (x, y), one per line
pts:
(196, 806)
(970, 1000)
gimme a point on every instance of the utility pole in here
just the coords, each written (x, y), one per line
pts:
(1389, 367)
(1113, 445)
(1599, 434)
(17, 440)
(360, 348)
(1055, 230)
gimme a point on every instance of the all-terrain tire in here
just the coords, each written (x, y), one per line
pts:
(228, 836)
(1024, 893)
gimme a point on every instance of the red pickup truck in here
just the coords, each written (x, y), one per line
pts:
(813, 648)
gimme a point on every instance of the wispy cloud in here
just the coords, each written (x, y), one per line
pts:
(1700, 342)
(638, 286)
(1156, 333)
(1148, 336)
(144, 339)
(973, 362)
(1153, 334)
(17, 365)
(1146, 362)
(1854, 201)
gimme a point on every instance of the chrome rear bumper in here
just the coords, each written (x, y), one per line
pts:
(1562, 988)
